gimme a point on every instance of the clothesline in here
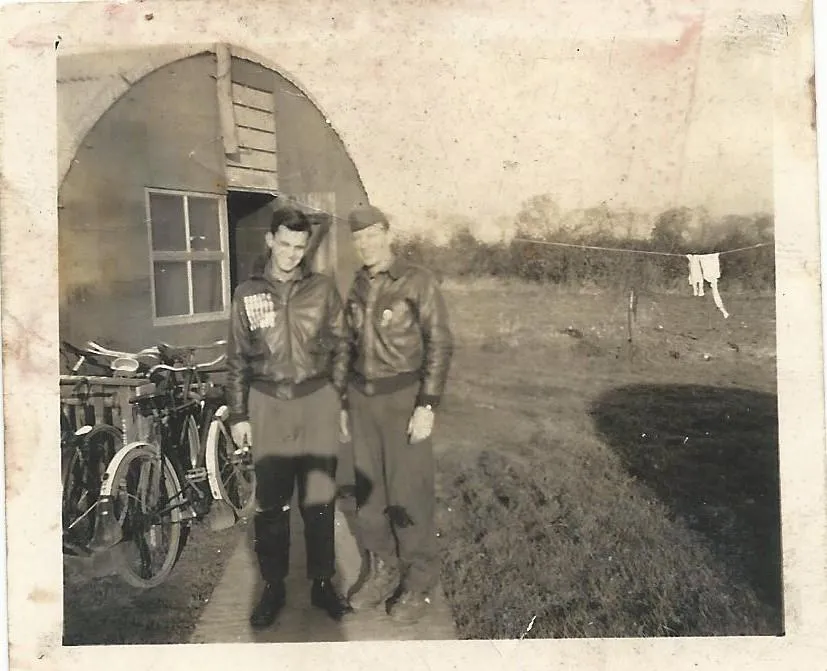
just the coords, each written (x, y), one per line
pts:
(632, 251)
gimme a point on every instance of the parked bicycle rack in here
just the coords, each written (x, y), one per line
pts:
(105, 400)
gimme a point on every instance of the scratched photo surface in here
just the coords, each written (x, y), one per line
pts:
(603, 197)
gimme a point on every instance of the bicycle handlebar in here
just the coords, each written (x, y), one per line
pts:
(83, 356)
(193, 367)
(96, 349)
(193, 348)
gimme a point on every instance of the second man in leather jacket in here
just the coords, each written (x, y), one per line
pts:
(400, 356)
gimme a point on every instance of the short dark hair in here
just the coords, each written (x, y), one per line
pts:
(290, 218)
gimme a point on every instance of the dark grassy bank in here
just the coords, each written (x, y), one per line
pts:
(594, 488)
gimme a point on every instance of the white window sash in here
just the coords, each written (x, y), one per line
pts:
(189, 257)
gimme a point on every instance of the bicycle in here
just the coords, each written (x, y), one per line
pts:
(87, 444)
(156, 486)
(85, 453)
(227, 468)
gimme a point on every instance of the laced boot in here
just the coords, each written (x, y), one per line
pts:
(325, 596)
(381, 584)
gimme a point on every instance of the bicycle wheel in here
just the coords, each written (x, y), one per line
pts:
(236, 476)
(146, 498)
(74, 505)
(85, 459)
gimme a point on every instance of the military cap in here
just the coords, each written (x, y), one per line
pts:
(366, 216)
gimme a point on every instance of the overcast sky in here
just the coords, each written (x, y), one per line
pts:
(643, 110)
(471, 107)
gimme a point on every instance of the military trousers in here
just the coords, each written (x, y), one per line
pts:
(295, 444)
(395, 485)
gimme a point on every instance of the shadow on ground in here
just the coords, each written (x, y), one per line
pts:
(711, 455)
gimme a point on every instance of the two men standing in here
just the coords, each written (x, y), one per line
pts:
(304, 368)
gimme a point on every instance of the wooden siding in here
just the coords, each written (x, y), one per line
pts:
(255, 165)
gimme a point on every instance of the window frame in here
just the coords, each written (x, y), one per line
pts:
(189, 256)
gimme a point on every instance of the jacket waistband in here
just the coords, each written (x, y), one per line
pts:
(288, 390)
(384, 385)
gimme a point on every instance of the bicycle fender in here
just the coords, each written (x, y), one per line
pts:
(111, 469)
(211, 456)
(107, 529)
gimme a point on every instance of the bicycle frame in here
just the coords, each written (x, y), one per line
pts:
(168, 439)
(211, 415)
(164, 423)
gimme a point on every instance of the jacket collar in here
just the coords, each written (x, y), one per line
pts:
(396, 269)
(259, 271)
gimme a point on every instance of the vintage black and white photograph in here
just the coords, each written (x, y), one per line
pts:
(427, 323)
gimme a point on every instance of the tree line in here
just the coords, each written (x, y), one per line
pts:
(680, 231)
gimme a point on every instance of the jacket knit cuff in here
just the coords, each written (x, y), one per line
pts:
(428, 399)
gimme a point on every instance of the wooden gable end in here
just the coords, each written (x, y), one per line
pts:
(248, 122)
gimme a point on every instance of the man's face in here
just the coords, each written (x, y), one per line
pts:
(373, 244)
(288, 247)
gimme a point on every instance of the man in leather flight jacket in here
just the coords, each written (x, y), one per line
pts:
(401, 352)
(287, 362)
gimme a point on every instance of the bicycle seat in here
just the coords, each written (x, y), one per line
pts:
(125, 365)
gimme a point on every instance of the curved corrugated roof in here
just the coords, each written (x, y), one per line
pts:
(89, 83)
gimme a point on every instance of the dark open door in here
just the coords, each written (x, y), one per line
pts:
(249, 214)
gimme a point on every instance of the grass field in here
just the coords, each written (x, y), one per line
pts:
(589, 487)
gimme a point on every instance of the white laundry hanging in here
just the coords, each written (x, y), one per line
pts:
(696, 276)
(709, 267)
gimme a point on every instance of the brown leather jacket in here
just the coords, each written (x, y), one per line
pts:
(286, 338)
(399, 325)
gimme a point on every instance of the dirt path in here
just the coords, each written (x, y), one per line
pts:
(225, 618)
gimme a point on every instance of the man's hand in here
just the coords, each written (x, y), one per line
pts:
(344, 429)
(242, 434)
(421, 424)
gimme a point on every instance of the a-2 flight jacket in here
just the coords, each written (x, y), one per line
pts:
(285, 337)
(399, 328)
